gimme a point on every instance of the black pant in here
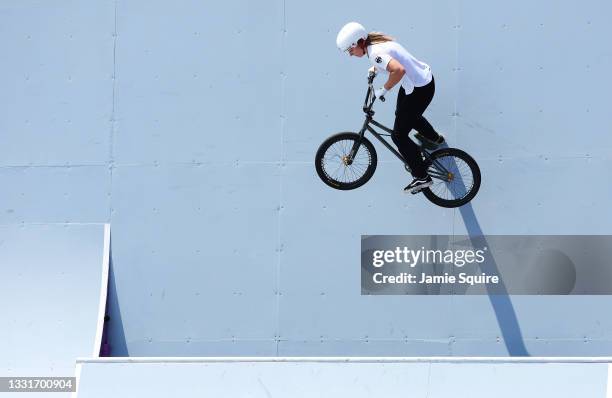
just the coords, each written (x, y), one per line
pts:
(408, 116)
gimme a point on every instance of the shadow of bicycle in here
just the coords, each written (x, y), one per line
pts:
(500, 300)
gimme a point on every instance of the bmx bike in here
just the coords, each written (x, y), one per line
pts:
(348, 160)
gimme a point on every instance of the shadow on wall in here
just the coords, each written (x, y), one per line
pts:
(502, 306)
(501, 303)
(113, 340)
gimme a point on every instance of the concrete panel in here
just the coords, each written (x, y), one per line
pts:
(542, 202)
(566, 317)
(535, 82)
(54, 194)
(57, 71)
(318, 279)
(532, 346)
(197, 264)
(193, 85)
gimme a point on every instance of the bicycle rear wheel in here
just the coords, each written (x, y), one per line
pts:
(334, 167)
(456, 177)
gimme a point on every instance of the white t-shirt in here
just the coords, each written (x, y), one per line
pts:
(418, 74)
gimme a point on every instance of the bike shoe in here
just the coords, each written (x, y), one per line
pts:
(429, 144)
(418, 184)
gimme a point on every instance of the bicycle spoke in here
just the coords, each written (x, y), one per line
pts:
(461, 183)
(334, 158)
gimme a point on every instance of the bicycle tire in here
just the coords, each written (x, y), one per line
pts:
(432, 193)
(350, 138)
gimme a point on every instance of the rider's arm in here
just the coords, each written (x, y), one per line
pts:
(396, 72)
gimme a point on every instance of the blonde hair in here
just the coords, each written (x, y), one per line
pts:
(377, 37)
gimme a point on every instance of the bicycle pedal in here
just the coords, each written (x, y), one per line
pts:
(414, 193)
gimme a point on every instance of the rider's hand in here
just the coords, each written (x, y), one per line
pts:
(380, 93)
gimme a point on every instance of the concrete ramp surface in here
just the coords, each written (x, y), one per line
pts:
(343, 377)
(53, 281)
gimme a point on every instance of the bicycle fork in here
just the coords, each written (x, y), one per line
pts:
(348, 160)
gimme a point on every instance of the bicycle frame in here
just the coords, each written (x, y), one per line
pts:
(441, 171)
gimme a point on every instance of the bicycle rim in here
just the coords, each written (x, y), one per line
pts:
(456, 178)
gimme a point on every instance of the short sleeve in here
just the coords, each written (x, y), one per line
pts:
(380, 60)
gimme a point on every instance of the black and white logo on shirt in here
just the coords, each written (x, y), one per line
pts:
(378, 60)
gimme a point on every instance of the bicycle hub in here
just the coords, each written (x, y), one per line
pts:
(347, 160)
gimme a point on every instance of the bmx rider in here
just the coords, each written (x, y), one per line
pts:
(414, 96)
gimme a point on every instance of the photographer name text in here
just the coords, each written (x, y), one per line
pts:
(426, 279)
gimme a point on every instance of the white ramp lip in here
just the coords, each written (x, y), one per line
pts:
(137, 360)
(362, 377)
(103, 292)
(101, 307)
(609, 382)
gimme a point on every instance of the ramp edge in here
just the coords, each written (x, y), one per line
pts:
(137, 360)
(103, 293)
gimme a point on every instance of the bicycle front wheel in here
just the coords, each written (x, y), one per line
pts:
(336, 169)
(456, 177)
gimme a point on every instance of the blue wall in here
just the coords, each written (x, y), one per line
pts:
(191, 127)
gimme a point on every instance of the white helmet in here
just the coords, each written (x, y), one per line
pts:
(349, 35)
